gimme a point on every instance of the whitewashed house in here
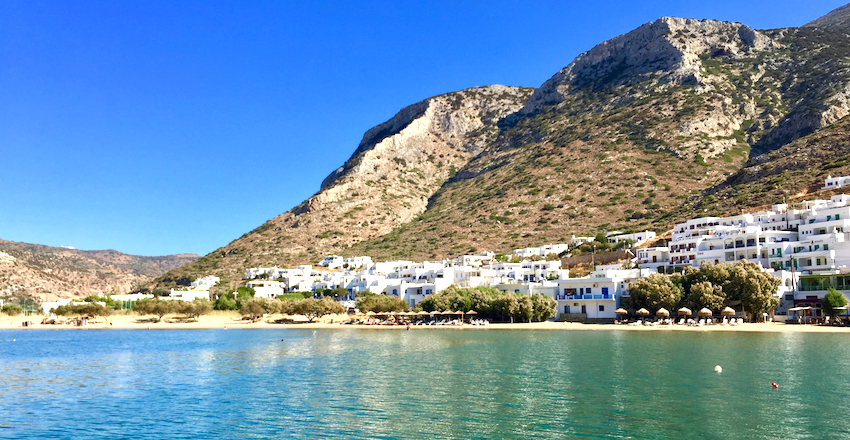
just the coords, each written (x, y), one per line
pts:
(268, 289)
(836, 182)
(637, 237)
(596, 296)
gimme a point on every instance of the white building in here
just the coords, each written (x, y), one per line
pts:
(268, 289)
(636, 238)
(542, 251)
(836, 182)
(596, 296)
(187, 295)
(205, 283)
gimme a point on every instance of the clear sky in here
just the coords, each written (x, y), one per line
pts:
(160, 127)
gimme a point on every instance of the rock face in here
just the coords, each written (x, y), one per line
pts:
(399, 164)
(387, 182)
(668, 50)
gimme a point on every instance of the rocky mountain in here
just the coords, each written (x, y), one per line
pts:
(49, 273)
(838, 19)
(629, 135)
(386, 183)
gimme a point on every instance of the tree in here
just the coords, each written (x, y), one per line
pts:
(381, 304)
(90, 310)
(544, 307)
(757, 288)
(654, 292)
(364, 293)
(149, 306)
(194, 309)
(313, 308)
(225, 302)
(244, 293)
(506, 307)
(12, 309)
(705, 294)
(526, 308)
(831, 302)
(256, 307)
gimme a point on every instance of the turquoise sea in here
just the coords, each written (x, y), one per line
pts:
(422, 384)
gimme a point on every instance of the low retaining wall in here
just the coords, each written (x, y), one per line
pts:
(582, 318)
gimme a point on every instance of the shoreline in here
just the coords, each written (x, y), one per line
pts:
(227, 321)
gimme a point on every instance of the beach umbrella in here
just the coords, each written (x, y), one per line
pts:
(662, 312)
(621, 311)
(472, 312)
(705, 312)
(684, 311)
(423, 313)
(370, 313)
(727, 311)
(643, 312)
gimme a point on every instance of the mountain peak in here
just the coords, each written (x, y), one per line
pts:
(837, 19)
(667, 50)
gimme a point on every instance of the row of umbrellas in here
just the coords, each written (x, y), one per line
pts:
(684, 311)
(422, 313)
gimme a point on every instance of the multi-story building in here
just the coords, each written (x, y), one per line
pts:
(598, 295)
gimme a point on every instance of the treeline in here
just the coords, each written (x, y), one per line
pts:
(311, 308)
(710, 286)
(492, 304)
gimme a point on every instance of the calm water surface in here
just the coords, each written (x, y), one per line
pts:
(422, 384)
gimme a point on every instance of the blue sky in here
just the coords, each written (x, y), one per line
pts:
(161, 127)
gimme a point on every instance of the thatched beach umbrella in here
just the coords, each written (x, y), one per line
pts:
(705, 312)
(621, 311)
(472, 312)
(727, 311)
(662, 312)
(684, 311)
(643, 312)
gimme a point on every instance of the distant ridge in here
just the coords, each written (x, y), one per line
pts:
(838, 18)
(48, 272)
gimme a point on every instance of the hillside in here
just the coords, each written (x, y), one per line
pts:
(48, 273)
(386, 183)
(627, 136)
(620, 139)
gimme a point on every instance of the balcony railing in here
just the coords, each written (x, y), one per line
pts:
(562, 297)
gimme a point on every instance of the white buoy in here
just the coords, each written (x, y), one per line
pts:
(718, 369)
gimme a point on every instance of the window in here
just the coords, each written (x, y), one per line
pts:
(604, 290)
(567, 309)
(601, 308)
(826, 247)
(838, 216)
(583, 309)
(587, 290)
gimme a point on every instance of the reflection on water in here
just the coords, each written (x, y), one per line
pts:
(421, 384)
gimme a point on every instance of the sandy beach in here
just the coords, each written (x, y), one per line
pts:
(231, 321)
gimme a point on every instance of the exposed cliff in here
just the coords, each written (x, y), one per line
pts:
(387, 182)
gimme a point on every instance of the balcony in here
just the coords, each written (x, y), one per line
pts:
(562, 297)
